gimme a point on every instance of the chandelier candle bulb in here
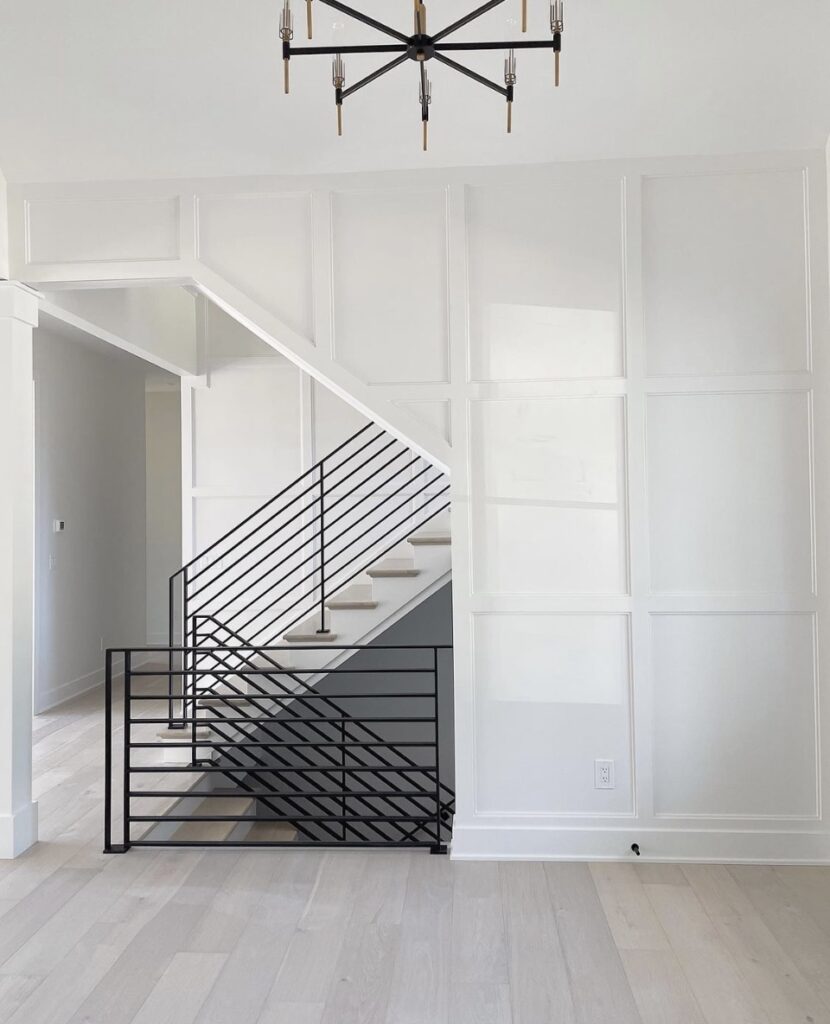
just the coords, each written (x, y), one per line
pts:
(286, 35)
(557, 27)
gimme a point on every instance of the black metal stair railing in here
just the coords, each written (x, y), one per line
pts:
(263, 729)
(303, 771)
(278, 567)
(290, 717)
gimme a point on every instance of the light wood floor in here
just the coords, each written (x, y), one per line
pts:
(181, 936)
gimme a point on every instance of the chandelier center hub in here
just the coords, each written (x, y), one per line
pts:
(420, 47)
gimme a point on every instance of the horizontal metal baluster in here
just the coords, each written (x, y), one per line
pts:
(330, 702)
(297, 718)
(268, 732)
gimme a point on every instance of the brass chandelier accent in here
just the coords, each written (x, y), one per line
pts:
(420, 47)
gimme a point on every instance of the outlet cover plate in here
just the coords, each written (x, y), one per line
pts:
(604, 775)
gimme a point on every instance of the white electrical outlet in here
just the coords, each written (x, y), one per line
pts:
(603, 775)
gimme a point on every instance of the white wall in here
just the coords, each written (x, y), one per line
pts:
(4, 229)
(633, 361)
(90, 582)
(164, 500)
(156, 324)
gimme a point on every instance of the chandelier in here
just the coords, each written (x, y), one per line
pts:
(420, 47)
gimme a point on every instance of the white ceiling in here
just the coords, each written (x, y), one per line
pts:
(95, 89)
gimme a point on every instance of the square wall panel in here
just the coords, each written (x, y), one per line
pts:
(545, 276)
(729, 493)
(390, 285)
(246, 428)
(724, 264)
(261, 244)
(552, 696)
(734, 715)
(548, 495)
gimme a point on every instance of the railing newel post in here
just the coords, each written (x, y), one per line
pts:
(128, 668)
(108, 754)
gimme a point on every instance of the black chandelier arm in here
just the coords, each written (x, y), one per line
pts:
(359, 16)
(500, 89)
(520, 44)
(300, 51)
(374, 75)
(466, 19)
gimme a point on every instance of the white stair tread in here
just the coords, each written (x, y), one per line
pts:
(358, 595)
(271, 832)
(393, 567)
(306, 633)
(183, 735)
(214, 831)
(430, 537)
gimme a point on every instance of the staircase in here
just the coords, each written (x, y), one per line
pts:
(281, 718)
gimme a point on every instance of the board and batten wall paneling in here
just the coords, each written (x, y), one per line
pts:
(86, 231)
(545, 269)
(633, 358)
(390, 285)
(262, 245)
(642, 535)
(725, 275)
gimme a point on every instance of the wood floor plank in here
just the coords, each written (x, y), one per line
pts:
(772, 976)
(243, 986)
(314, 947)
(630, 915)
(598, 982)
(121, 992)
(359, 992)
(794, 928)
(181, 990)
(721, 991)
(539, 986)
(88, 962)
(479, 964)
(661, 989)
(421, 974)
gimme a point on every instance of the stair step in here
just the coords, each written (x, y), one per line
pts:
(306, 633)
(393, 567)
(430, 537)
(271, 832)
(213, 831)
(358, 595)
(183, 735)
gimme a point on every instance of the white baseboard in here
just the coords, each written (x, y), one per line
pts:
(473, 842)
(67, 691)
(18, 831)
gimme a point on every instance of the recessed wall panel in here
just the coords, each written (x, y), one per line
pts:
(435, 415)
(734, 715)
(84, 231)
(246, 428)
(548, 504)
(545, 275)
(552, 695)
(729, 493)
(261, 244)
(390, 285)
(725, 287)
